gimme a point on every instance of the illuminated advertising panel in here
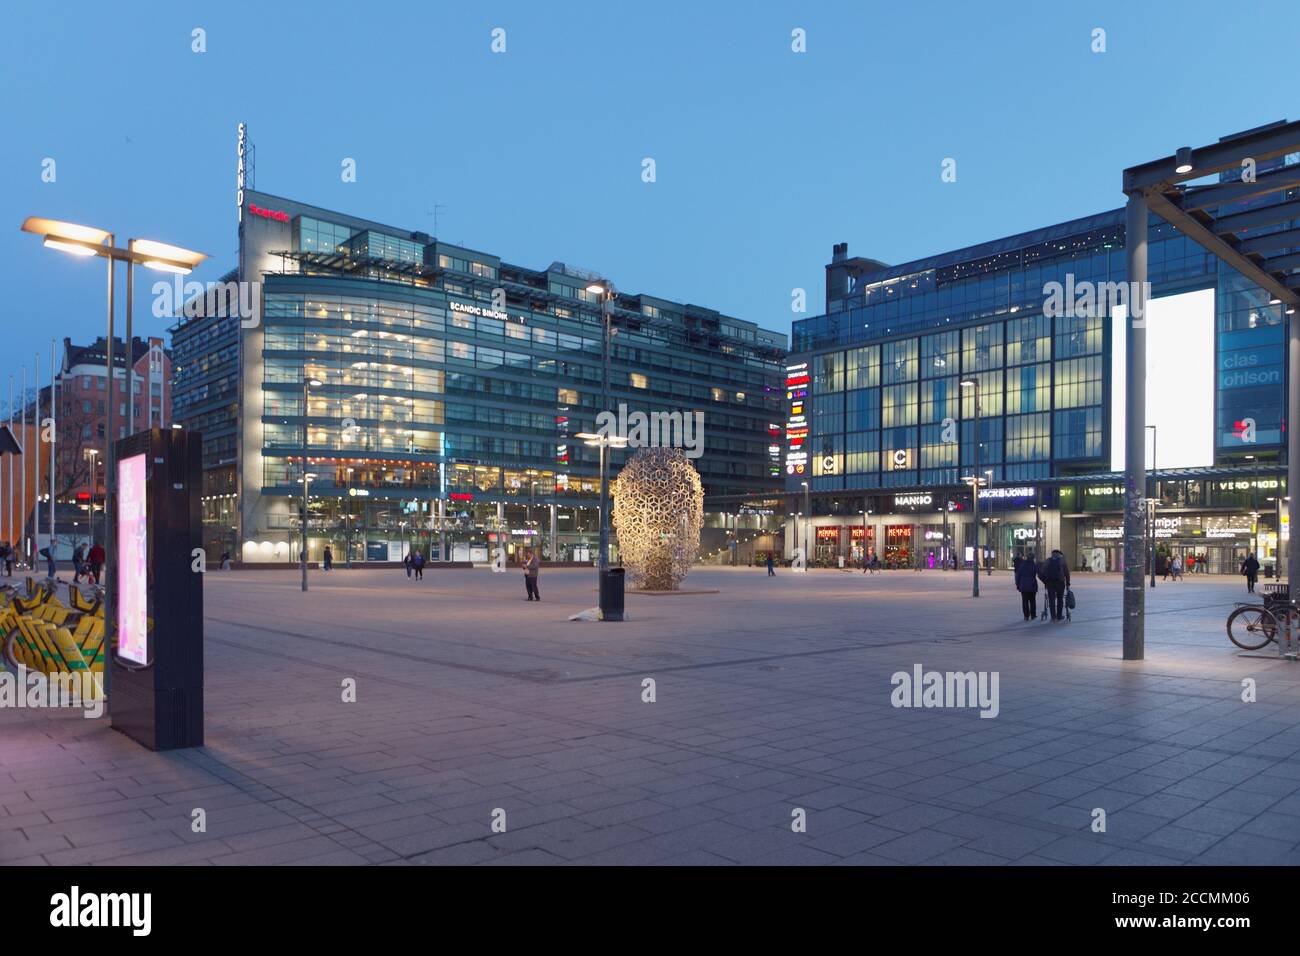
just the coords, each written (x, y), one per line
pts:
(132, 561)
(1181, 379)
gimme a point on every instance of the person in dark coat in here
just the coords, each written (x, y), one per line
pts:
(328, 558)
(406, 561)
(1055, 575)
(1250, 568)
(771, 567)
(531, 566)
(417, 562)
(1027, 585)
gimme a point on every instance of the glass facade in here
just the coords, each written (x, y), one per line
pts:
(451, 388)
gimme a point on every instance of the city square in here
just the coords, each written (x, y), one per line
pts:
(587, 437)
(492, 702)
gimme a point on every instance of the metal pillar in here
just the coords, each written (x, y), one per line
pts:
(975, 496)
(108, 575)
(1292, 464)
(1135, 376)
(22, 469)
(605, 316)
(302, 556)
(54, 442)
(130, 350)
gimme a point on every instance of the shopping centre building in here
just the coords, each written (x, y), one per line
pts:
(881, 440)
(440, 390)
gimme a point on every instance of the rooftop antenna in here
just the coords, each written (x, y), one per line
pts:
(434, 213)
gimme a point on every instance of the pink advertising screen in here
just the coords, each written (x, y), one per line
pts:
(132, 561)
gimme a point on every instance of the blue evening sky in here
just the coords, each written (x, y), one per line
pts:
(765, 157)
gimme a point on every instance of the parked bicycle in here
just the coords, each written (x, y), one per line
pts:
(1253, 626)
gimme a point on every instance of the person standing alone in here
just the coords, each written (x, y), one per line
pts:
(1250, 568)
(771, 569)
(531, 567)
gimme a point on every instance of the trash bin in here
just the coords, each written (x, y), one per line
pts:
(611, 594)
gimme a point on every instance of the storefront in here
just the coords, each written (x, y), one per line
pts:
(1200, 543)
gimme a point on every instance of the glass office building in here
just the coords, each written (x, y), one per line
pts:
(428, 395)
(881, 438)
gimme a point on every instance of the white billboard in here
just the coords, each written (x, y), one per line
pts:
(1180, 381)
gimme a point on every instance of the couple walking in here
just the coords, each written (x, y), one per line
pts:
(1055, 575)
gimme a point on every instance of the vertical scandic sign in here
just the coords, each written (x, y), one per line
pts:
(240, 148)
(132, 561)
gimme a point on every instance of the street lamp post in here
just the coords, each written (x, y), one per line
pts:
(805, 543)
(1254, 505)
(307, 385)
(1155, 503)
(604, 442)
(88, 241)
(92, 453)
(975, 486)
(605, 290)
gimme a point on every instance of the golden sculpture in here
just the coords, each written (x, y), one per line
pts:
(658, 513)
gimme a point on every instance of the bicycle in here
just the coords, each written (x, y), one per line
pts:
(1257, 625)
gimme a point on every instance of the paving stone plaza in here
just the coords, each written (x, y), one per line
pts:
(476, 711)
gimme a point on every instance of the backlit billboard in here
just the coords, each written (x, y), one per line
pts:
(1180, 381)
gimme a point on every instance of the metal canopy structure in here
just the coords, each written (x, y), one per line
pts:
(1215, 216)
(1271, 260)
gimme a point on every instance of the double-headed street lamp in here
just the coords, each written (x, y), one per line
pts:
(88, 241)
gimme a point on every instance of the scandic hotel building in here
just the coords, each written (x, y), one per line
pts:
(873, 384)
(443, 420)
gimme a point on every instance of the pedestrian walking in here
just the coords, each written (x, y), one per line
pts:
(1055, 575)
(78, 563)
(96, 561)
(225, 560)
(532, 566)
(417, 563)
(1026, 579)
(7, 553)
(771, 566)
(407, 563)
(49, 561)
(1250, 568)
(328, 557)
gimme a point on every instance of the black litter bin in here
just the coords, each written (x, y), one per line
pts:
(611, 594)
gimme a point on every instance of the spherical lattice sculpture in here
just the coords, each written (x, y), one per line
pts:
(658, 512)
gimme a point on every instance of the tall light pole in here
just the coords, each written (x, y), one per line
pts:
(975, 485)
(54, 441)
(307, 385)
(1254, 505)
(9, 486)
(1155, 502)
(807, 507)
(605, 290)
(88, 241)
(92, 454)
(604, 442)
